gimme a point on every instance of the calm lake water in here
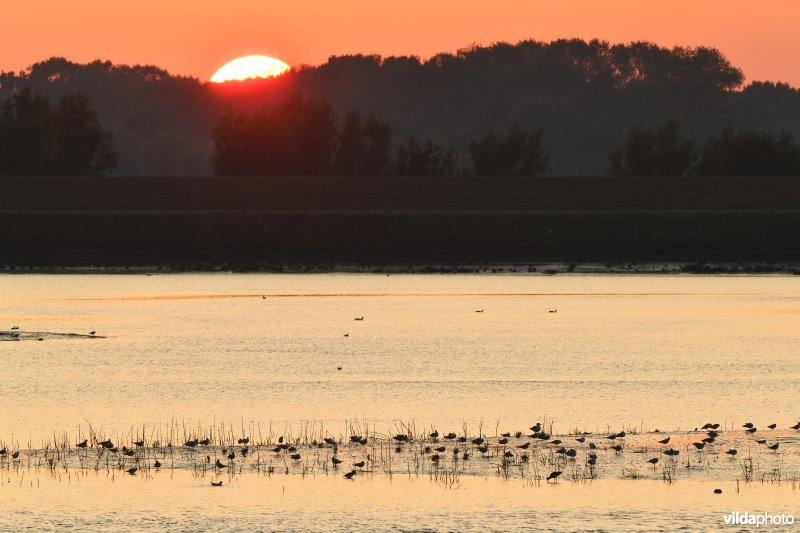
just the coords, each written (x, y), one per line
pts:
(589, 353)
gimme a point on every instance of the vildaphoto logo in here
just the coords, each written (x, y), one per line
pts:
(758, 519)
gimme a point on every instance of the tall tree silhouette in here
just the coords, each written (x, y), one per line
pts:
(515, 154)
(37, 138)
(416, 158)
(750, 153)
(296, 137)
(663, 152)
(364, 146)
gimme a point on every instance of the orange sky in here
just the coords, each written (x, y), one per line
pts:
(195, 37)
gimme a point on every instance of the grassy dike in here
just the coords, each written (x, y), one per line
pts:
(258, 221)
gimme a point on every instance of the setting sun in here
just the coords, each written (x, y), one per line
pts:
(250, 67)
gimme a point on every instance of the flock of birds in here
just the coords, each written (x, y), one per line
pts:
(436, 446)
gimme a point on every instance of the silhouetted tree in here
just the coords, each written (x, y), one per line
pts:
(750, 153)
(37, 138)
(515, 154)
(663, 152)
(296, 137)
(415, 158)
(364, 146)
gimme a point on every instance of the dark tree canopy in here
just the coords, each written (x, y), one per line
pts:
(662, 152)
(516, 153)
(38, 138)
(416, 158)
(301, 137)
(364, 146)
(750, 153)
(585, 95)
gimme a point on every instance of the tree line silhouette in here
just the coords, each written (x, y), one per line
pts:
(301, 137)
(585, 96)
(665, 152)
(38, 137)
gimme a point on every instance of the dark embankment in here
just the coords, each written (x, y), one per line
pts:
(253, 222)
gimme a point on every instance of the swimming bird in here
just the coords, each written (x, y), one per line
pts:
(157, 464)
(772, 426)
(359, 318)
(216, 483)
(336, 461)
(717, 491)
(671, 452)
(132, 471)
(506, 435)
(731, 452)
(92, 332)
(524, 446)
(83, 444)
(113, 450)
(295, 456)
(440, 449)
(401, 438)
(219, 464)
(664, 441)
(128, 453)
(774, 446)
(502, 441)
(346, 334)
(245, 440)
(204, 442)
(106, 444)
(761, 441)
(581, 439)
(190, 443)
(478, 441)
(553, 475)
(556, 442)
(350, 474)
(699, 445)
(553, 311)
(479, 311)
(709, 440)
(653, 461)
(139, 443)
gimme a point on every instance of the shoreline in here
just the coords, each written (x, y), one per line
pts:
(540, 269)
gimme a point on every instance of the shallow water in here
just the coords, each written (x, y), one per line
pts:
(260, 352)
